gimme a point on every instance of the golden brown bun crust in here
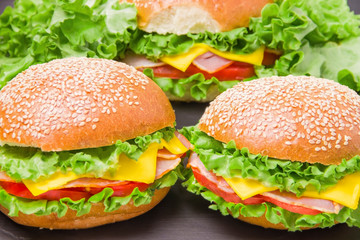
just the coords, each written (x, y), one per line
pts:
(227, 14)
(302, 119)
(78, 103)
(95, 217)
(263, 222)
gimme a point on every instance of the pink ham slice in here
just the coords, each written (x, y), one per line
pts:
(165, 154)
(312, 203)
(322, 205)
(195, 162)
(92, 182)
(5, 178)
(139, 61)
(211, 63)
(184, 140)
(165, 166)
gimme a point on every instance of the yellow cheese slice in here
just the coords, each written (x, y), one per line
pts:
(246, 188)
(345, 192)
(142, 170)
(183, 61)
(45, 184)
(254, 58)
(174, 146)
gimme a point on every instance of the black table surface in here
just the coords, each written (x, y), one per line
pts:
(180, 215)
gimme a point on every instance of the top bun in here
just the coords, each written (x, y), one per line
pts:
(194, 16)
(77, 103)
(303, 119)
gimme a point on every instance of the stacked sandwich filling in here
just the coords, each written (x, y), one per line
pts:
(268, 149)
(240, 177)
(133, 169)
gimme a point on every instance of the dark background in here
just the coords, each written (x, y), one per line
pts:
(180, 215)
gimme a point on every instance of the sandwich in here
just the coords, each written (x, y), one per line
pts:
(280, 152)
(196, 49)
(85, 142)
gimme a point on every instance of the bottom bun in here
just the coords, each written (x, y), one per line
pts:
(95, 217)
(263, 222)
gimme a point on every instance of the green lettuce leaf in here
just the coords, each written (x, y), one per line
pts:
(319, 38)
(31, 163)
(228, 161)
(340, 62)
(37, 31)
(154, 45)
(336, 61)
(44, 207)
(196, 85)
(286, 24)
(273, 213)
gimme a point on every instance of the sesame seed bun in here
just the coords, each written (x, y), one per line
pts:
(184, 16)
(295, 118)
(78, 103)
(95, 217)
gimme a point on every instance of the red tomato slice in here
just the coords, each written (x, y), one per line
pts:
(257, 199)
(167, 71)
(236, 71)
(20, 190)
(292, 208)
